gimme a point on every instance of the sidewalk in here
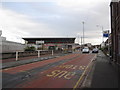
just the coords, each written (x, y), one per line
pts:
(102, 74)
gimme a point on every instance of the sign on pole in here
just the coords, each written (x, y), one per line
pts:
(106, 33)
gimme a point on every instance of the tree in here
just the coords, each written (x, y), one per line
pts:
(32, 48)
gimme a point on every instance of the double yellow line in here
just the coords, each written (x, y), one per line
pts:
(76, 85)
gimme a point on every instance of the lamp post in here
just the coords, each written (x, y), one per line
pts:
(102, 31)
(83, 32)
(81, 43)
(78, 38)
(109, 51)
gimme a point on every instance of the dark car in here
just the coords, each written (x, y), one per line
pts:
(95, 50)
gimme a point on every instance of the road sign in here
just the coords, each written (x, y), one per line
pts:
(106, 33)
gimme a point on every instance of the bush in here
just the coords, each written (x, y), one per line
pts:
(32, 48)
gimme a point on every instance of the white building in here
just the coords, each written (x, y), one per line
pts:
(9, 46)
(102, 44)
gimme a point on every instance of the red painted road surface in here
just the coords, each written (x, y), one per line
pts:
(64, 75)
(37, 64)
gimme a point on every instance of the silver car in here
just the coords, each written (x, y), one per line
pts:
(85, 50)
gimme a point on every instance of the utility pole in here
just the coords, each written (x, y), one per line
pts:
(109, 51)
(102, 35)
(81, 43)
(102, 32)
(83, 32)
(78, 39)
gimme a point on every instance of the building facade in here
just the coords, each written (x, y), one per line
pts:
(115, 31)
(9, 46)
(48, 43)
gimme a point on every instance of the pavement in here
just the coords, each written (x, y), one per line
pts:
(102, 74)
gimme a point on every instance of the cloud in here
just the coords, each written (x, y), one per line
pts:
(56, 18)
(80, 3)
(15, 26)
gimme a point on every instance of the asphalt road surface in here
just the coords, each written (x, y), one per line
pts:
(61, 72)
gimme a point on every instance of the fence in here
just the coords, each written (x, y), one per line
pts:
(18, 54)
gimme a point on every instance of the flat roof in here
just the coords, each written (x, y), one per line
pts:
(41, 38)
(46, 37)
(50, 39)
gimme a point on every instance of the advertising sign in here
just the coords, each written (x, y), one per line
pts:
(39, 42)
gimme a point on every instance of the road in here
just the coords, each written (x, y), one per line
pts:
(61, 72)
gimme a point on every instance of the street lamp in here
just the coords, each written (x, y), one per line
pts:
(102, 31)
(83, 32)
(78, 38)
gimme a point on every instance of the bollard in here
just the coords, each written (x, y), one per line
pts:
(16, 55)
(38, 53)
(52, 52)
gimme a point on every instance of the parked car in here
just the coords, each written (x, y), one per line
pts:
(85, 50)
(95, 50)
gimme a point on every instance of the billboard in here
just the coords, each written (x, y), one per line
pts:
(39, 42)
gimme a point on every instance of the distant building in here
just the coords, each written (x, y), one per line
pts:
(88, 45)
(96, 46)
(102, 44)
(48, 43)
(115, 31)
(77, 46)
(9, 46)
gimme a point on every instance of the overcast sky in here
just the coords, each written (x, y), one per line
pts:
(49, 18)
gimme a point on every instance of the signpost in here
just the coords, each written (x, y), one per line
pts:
(106, 33)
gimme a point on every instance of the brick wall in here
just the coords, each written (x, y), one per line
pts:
(115, 31)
